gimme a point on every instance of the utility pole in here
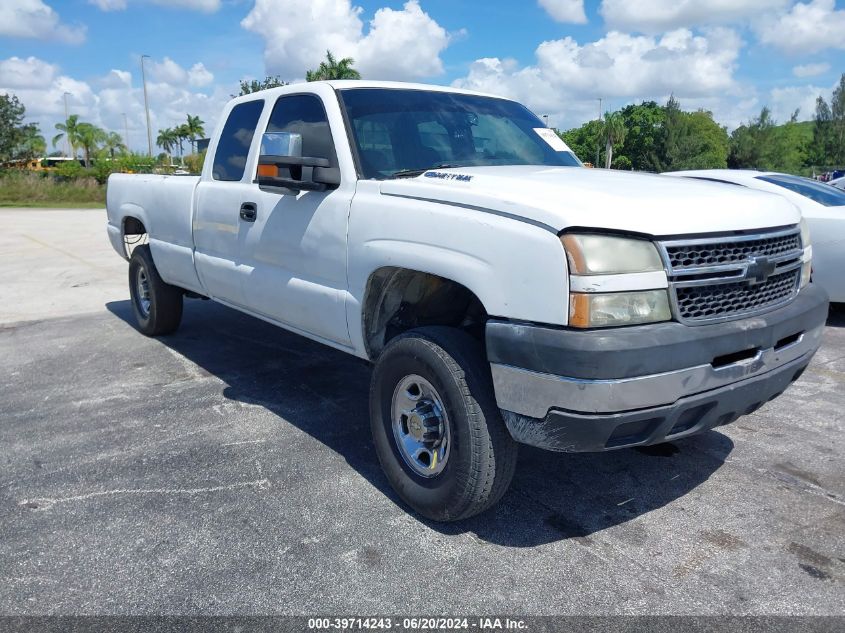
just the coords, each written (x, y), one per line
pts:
(598, 140)
(147, 107)
(67, 136)
(125, 132)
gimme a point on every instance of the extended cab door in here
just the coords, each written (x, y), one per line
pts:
(226, 186)
(293, 255)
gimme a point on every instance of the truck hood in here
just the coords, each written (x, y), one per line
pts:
(564, 197)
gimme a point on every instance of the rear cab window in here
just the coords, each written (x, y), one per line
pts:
(235, 140)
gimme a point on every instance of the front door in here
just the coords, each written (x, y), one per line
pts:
(293, 256)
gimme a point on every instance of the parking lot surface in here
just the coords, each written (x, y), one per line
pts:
(228, 469)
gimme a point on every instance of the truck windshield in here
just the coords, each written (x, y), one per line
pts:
(403, 132)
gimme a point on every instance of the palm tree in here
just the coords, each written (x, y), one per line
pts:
(181, 132)
(333, 69)
(89, 136)
(114, 143)
(166, 140)
(70, 130)
(195, 130)
(614, 134)
(30, 144)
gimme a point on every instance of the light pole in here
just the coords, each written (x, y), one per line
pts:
(125, 132)
(67, 135)
(147, 107)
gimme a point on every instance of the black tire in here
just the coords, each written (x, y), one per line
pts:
(482, 456)
(164, 312)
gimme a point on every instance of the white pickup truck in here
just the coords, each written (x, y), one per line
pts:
(504, 293)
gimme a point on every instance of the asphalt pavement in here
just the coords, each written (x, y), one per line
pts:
(228, 469)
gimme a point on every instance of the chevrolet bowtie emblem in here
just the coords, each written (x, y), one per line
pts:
(759, 270)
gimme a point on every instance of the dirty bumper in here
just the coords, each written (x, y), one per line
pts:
(647, 384)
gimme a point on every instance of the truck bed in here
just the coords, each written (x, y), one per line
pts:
(170, 200)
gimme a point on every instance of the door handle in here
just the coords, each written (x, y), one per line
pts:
(249, 211)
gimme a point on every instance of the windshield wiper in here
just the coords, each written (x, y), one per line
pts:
(413, 173)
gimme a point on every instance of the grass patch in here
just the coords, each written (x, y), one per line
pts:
(27, 189)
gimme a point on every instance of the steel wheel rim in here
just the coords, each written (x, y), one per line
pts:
(142, 285)
(420, 426)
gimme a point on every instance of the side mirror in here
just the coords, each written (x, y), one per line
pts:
(283, 169)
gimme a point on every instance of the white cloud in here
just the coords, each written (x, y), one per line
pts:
(34, 19)
(811, 70)
(568, 78)
(199, 76)
(806, 28)
(783, 102)
(168, 71)
(207, 6)
(656, 16)
(565, 10)
(109, 5)
(25, 73)
(103, 101)
(399, 44)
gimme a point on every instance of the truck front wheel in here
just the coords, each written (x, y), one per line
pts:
(437, 430)
(157, 305)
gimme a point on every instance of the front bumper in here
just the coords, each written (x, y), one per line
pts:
(573, 390)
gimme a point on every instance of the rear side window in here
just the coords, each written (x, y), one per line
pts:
(305, 115)
(233, 146)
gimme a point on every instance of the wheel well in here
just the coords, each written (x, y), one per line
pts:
(400, 299)
(133, 227)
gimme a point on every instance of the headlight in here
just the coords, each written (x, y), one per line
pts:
(609, 255)
(596, 255)
(805, 233)
(618, 308)
(807, 259)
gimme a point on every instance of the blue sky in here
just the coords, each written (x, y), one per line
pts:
(558, 56)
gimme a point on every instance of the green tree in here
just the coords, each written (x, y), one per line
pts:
(69, 130)
(613, 132)
(643, 123)
(690, 140)
(89, 137)
(182, 135)
(113, 144)
(837, 111)
(194, 130)
(763, 144)
(167, 140)
(332, 68)
(584, 140)
(30, 142)
(253, 85)
(12, 113)
(821, 148)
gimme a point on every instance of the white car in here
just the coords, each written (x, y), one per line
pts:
(821, 205)
(503, 293)
(839, 183)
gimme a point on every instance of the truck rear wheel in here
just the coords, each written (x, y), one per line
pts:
(157, 305)
(437, 430)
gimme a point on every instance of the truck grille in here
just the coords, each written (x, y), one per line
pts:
(716, 279)
(713, 253)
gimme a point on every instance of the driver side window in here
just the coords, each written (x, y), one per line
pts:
(305, 115)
